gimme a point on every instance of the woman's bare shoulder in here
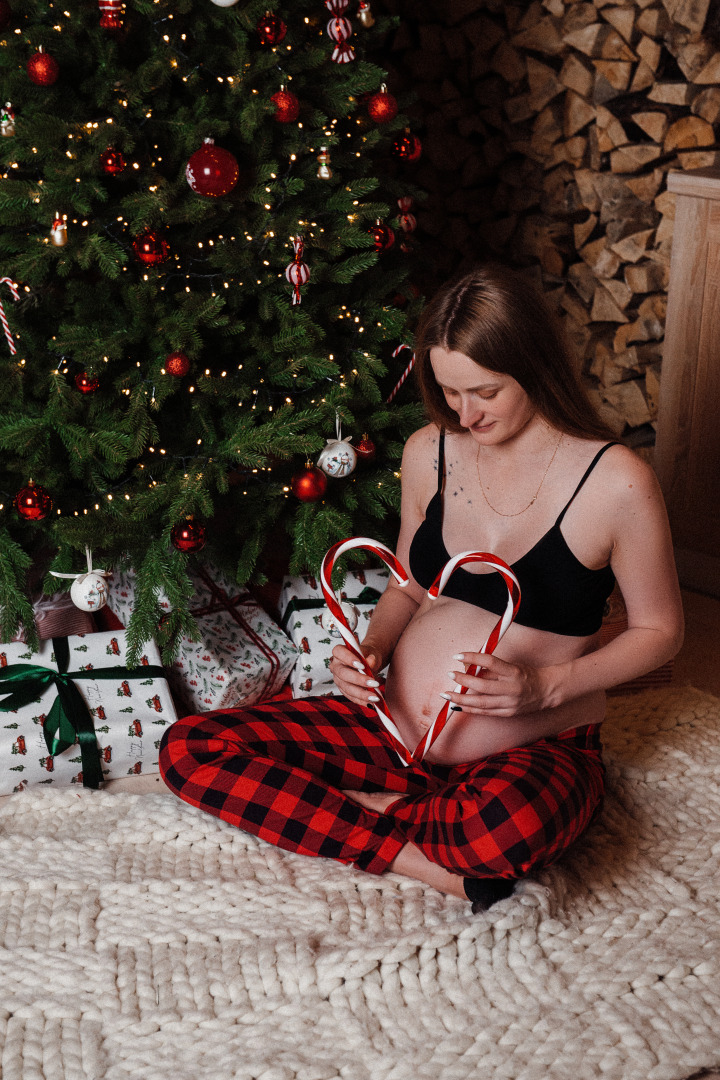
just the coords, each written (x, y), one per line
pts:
(421, 449)
(626, 481)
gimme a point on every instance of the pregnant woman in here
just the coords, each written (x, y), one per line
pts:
(513, 461)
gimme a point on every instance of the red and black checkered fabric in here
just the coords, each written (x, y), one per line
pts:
(278, 771)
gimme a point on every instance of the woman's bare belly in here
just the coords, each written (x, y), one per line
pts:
(419, 673)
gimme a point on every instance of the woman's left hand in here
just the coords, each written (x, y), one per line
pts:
(500, 689)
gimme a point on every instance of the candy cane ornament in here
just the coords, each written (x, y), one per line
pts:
(406, 372)
(493, 638)
(434, 591)
(348, 636)
(3, 318)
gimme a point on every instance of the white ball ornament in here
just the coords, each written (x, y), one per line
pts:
(338, 458)
(89, 592)
(224, 3)
(330, 626)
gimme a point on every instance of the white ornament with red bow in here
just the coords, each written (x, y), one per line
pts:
(398, 571)
(339, 30)
(297, 272)
(3, 318)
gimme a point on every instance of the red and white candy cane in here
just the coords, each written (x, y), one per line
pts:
(494, 637)
(351, 641)
(433, 592)
(3, 319)
(406, 372)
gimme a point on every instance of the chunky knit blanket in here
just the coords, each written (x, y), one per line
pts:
(140, 938)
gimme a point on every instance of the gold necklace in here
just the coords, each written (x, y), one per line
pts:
(542, 481)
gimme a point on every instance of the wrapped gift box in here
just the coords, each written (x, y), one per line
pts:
(241, 656)
(57, 616)
(305, 617)
(128, 709)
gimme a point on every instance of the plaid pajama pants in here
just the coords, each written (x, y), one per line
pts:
(277, 771)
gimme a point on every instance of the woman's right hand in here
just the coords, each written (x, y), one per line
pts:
(352, 682)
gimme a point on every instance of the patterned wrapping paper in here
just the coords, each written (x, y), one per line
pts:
(242, 656)
(129, 713)
(305, 617)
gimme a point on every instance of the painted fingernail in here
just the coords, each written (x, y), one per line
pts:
(456, 708)
(460, 657)
(446, 696)
(372, 682)
(373, 697)
(358, 665)
(451, 675)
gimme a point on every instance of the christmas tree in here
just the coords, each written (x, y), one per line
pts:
(199, 204)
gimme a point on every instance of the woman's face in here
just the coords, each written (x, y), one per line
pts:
(493, 407)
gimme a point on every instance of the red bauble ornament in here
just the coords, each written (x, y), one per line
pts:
(407, 146)
(382, 106)
(150, 248)
(87, 384)
(188, 536)
(5, 14)
(111, 10)
(310, 484)
(112, 161)
(177, 364)
(271, 30)
(33, 502)
(287, 106)
(212, 170)
(43, 69)
(365, 449)
(383, 236)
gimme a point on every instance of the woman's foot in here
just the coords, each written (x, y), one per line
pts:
(484, 892)
(373, 800)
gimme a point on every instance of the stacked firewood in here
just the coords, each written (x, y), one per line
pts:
(580, 110)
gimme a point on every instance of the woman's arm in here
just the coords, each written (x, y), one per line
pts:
(397, 605)
(642, 560)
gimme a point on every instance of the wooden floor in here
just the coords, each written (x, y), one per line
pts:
(698, 662)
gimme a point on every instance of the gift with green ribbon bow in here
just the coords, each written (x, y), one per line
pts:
(305, 617)
(71, 719)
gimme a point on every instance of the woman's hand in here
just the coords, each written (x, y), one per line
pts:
(500, 689)
(349, 677)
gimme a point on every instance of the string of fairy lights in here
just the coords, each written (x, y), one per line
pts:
(196, 269)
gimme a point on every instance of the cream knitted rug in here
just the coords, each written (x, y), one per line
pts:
(142, 939)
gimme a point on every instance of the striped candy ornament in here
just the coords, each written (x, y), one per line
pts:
(3, 318)
(110, 11)
(349, 638)
(406, 372)
(297, 272)
(493, 639)
(339, 30)
(434, 591)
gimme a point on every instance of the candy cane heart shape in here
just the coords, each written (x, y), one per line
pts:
(494, 637)
(351, 641)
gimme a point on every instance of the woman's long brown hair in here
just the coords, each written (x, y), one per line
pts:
(500, 320)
